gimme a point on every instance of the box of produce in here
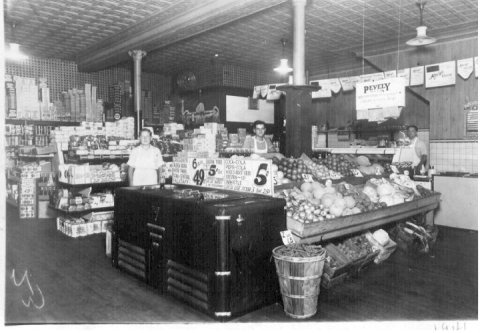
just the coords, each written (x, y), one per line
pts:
(336, 263)
(327, 211)
(359, 251)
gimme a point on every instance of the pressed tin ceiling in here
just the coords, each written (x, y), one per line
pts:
(244, 32)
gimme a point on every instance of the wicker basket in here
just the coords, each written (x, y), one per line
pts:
(299, 280)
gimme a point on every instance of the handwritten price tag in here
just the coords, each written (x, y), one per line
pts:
(307, 178)
(287, 237)
(357, 173)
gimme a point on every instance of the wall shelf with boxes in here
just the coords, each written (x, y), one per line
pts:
(85, 201)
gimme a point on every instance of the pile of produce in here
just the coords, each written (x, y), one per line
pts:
(356, 247)
(300, 250)
(318, 170)
(338, 163)
(290, 168)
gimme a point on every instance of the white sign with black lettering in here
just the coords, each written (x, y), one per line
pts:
(440, 75)
(380, 94)
(465, 68)
(287, 237)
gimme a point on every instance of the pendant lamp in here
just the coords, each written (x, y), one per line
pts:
(284, 68)
(422, 38)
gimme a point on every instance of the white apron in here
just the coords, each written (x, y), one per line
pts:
(259, 150)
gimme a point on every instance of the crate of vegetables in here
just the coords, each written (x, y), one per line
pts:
(336, 268)
(359, 251)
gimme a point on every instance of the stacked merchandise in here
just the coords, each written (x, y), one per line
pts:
(147, 104)
(78, 105)
(93, 223)
(26, 92)
(120, 98)
(14, 135)
(89, 174)
(172, 129)
(203, 141)
(124, 129)
(10, 97)
(29, 173)
(78, 201)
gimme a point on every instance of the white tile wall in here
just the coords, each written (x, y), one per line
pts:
(459, 156)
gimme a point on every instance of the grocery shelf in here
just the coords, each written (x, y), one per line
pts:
(84, 211)
(105, 184)
(356, 151)
(96, 158)
(36, 156)
(41, 122)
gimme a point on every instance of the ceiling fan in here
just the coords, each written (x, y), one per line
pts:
(421, 38)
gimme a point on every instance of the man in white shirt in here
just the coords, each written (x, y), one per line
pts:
(420, 156)
(145, 162)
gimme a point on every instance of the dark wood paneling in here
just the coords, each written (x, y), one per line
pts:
(446, 103)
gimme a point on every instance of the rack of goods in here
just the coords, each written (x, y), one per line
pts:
(85, 196)
(320, 211)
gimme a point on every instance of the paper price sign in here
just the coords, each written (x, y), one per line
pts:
(254, 176)
(394, 169)
(307, 178)
(357, 173)
(287, 237)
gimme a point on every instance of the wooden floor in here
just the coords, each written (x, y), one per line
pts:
(79, 285)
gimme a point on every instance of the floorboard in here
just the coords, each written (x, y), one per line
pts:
(80, 285)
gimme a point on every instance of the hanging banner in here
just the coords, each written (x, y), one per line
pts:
(475, 60)
(390, 74)
(324, 91)
(354, 80)
(439, 75)
(405, 74)
(335, 85)
(380, 94)
(346, 83)
(465, 68)
(417, 75)
(372, 77)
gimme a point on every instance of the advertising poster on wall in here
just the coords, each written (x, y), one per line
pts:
(440, 75)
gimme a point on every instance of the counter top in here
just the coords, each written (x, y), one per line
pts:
(358, 150)
(456, 174)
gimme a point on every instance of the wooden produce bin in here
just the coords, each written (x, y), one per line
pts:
(342, 226)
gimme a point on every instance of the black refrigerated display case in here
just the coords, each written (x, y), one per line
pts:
(210, 248)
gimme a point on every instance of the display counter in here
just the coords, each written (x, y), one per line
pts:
(210, 248)
(343, 226)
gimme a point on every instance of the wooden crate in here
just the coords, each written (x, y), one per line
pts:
(341, 226)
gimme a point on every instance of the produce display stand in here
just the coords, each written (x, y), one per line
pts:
(343, 226)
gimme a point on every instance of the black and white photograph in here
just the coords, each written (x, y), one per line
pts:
(267, 165)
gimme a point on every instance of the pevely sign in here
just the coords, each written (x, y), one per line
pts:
(380, 94)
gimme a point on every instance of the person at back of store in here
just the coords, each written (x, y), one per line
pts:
(259, 143)
(419, 156)
(145, 162)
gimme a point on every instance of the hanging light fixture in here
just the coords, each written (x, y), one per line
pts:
(422, 38)
(13, 51)
(284, 68)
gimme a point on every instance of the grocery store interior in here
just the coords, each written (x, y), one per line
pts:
(227, 162)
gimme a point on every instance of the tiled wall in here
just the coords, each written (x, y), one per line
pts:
(454, 155)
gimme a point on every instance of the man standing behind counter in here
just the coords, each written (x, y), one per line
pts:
(259, 144)
(145, 162)
(420, 156)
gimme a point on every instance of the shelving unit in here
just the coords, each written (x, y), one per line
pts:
(84, 185)
(85, 211)
(40, 122)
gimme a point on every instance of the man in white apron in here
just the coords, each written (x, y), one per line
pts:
(419, 156)
(415, 152)
(259, 144)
